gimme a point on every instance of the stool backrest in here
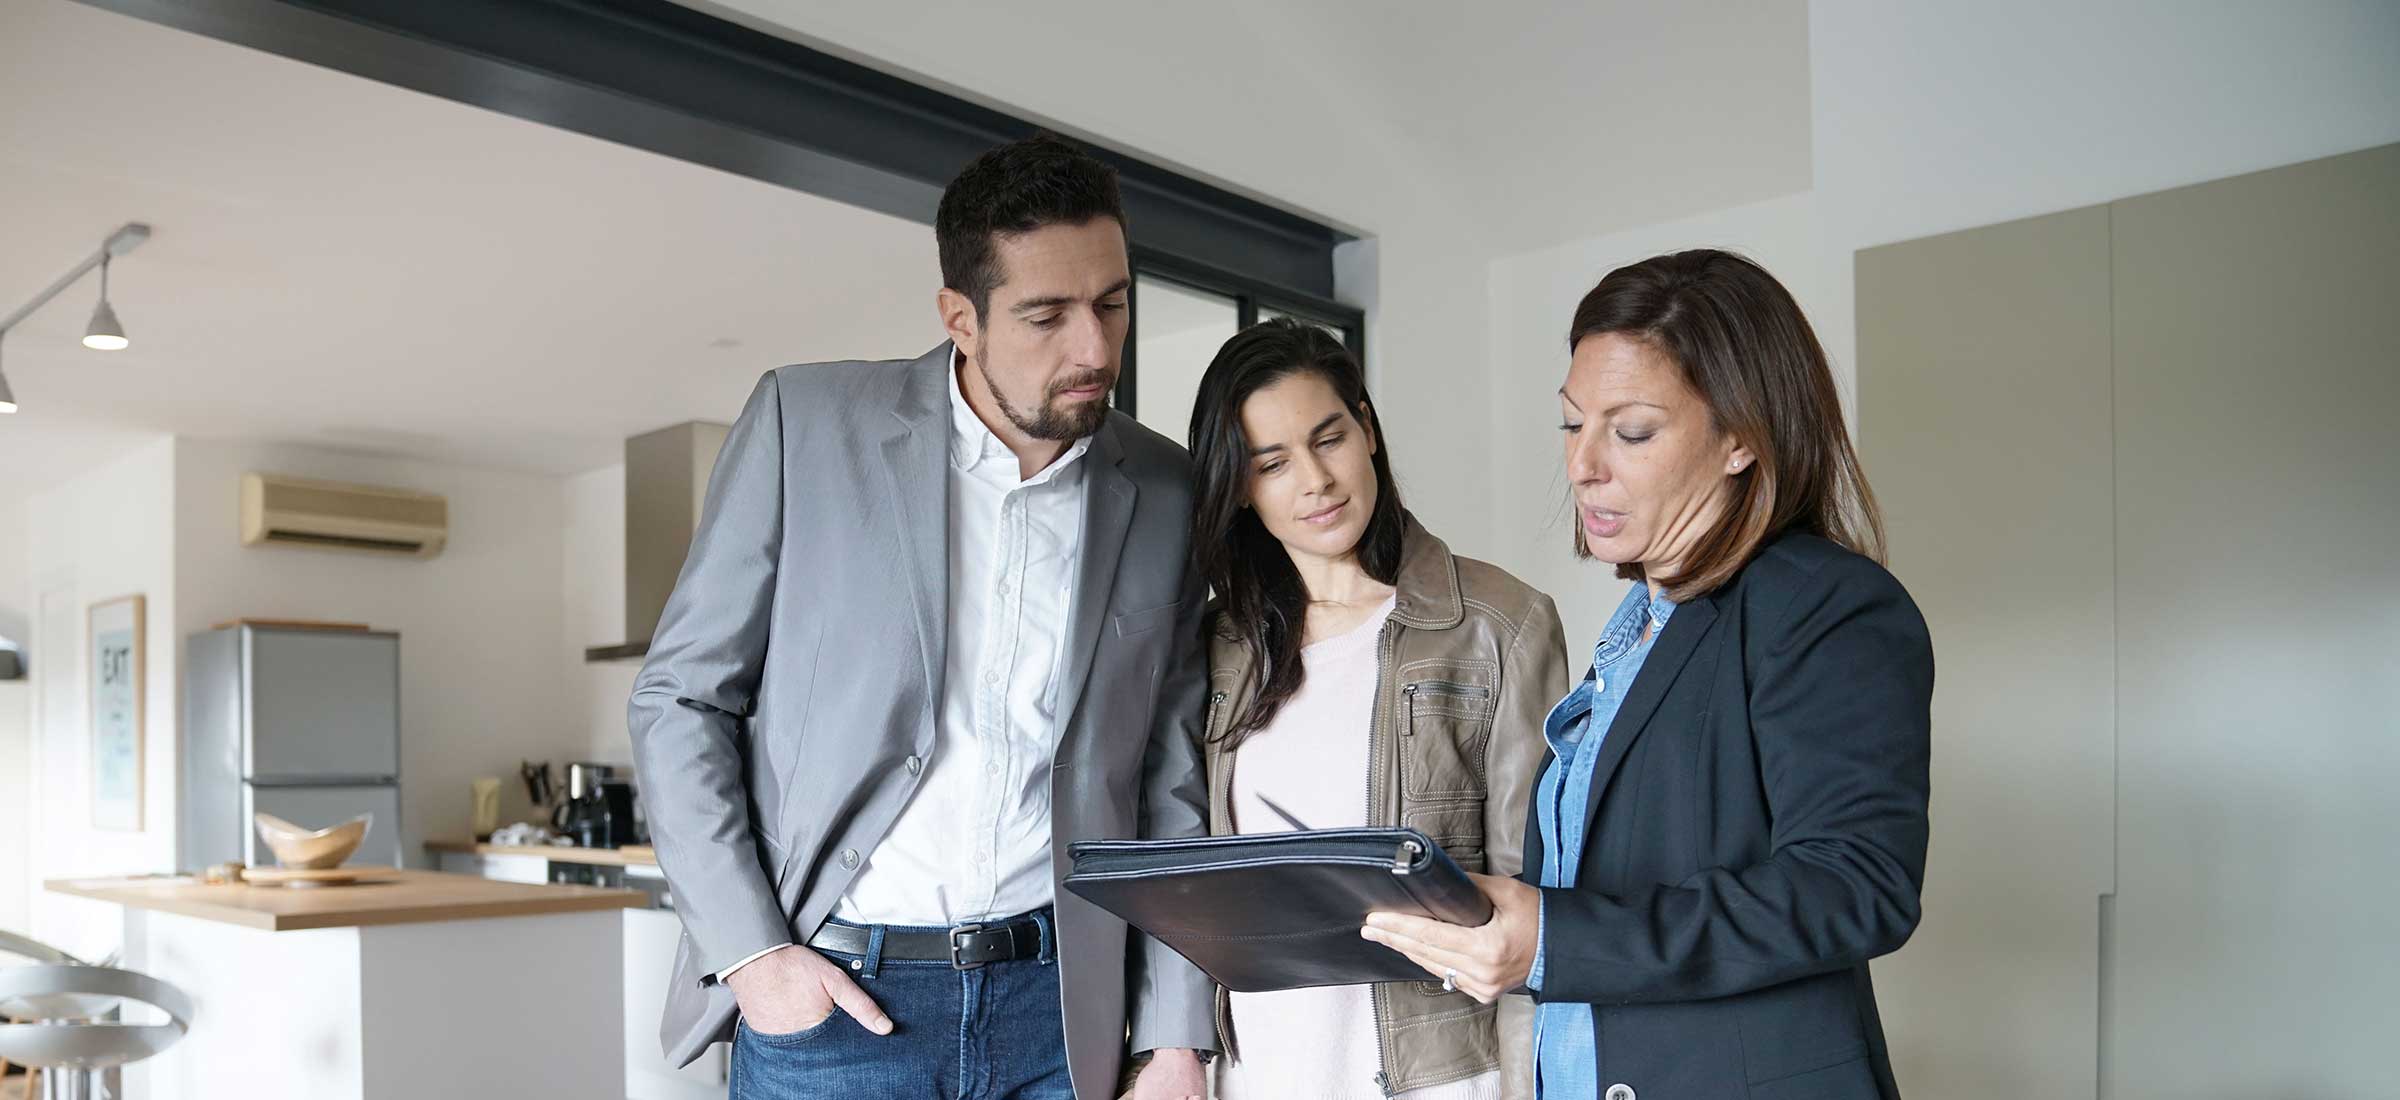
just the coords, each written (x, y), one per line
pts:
(26, 947)
(30, 948)
(75, 1039)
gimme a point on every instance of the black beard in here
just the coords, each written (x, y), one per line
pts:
(1055, 425)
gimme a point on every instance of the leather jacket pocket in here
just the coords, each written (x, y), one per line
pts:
(1456, 826)
(1445, 728)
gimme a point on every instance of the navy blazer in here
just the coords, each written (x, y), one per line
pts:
(1757, 833)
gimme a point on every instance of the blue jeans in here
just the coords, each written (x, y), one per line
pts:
(991, 1033)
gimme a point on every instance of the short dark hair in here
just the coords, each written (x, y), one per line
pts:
(1016, 188)
(1745, 347)
(1262, 599)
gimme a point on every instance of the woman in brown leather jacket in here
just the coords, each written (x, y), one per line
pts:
(1360, 675)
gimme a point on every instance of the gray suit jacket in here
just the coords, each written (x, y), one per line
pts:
(798, 667)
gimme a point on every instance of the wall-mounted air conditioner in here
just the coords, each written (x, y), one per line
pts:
(332, 515)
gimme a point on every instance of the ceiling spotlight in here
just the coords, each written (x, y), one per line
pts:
(104, 333)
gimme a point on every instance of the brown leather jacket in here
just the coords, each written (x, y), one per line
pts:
(1470, 663)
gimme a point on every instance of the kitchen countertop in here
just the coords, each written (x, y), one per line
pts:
(605, 857)
(385, 897)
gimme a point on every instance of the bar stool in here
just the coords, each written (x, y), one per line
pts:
(73, 1032)
(34, 950)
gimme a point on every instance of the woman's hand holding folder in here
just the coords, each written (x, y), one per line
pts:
(1485, 961)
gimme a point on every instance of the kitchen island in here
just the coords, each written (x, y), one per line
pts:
(651, 936)
(411, 984)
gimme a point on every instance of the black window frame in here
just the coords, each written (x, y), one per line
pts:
(1249, 295)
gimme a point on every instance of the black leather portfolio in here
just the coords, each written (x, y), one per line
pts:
(1278, 910)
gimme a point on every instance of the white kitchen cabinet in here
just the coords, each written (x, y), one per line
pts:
(648, 959)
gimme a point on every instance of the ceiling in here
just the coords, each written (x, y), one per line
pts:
(347, 264)
(1523, 124)
(343, 263)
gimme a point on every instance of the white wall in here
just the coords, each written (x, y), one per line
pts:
(1533, 297)
(16, 717)
(105, 534)
(479, 624)
(1947, 116)
(1928, 118)
(16, 803)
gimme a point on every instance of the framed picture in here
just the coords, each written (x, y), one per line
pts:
(119, 673)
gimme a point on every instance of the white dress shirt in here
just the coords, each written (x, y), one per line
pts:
(973, 843)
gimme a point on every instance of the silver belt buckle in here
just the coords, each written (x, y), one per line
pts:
(957, 963)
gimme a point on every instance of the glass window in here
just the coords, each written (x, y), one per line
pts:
(1176, 331)
(1269, 313)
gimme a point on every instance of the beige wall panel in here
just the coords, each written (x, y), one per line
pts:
(1983, 393)
(2258, 382)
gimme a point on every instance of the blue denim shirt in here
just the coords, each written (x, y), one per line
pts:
(1566, 1064)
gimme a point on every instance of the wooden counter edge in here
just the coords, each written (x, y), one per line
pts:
(603, 857)
(586, 899)
(609, 898)
(184, 907)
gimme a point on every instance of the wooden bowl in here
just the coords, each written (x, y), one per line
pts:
(312, 849)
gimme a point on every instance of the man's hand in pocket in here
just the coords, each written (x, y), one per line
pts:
(793, 989)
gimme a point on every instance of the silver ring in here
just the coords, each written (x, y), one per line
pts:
(1449, 981)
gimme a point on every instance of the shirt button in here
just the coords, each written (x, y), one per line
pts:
(1599, 684)
(991, 677)
(993, 767)
(849, 858)
(915, 765)
(1620, 1092)
(1004, 588)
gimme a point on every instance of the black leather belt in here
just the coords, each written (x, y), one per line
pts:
(965, 947)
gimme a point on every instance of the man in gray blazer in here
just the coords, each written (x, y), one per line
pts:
(935, 626)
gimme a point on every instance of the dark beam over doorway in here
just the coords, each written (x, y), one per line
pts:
(685, 84)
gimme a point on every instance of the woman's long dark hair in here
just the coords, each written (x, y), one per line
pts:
(1261, 597)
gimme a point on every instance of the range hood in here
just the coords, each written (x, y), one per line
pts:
(666, 478)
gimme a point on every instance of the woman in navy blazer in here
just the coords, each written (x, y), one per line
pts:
(1732, 821)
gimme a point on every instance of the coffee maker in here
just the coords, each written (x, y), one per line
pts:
(598, 812)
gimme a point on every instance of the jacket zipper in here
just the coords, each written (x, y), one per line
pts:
(1445, 687)
(1408, 726)
(1222, 1011)
(1220, 785)
(1375, 997)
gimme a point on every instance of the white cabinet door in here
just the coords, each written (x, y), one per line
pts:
(650, 937)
